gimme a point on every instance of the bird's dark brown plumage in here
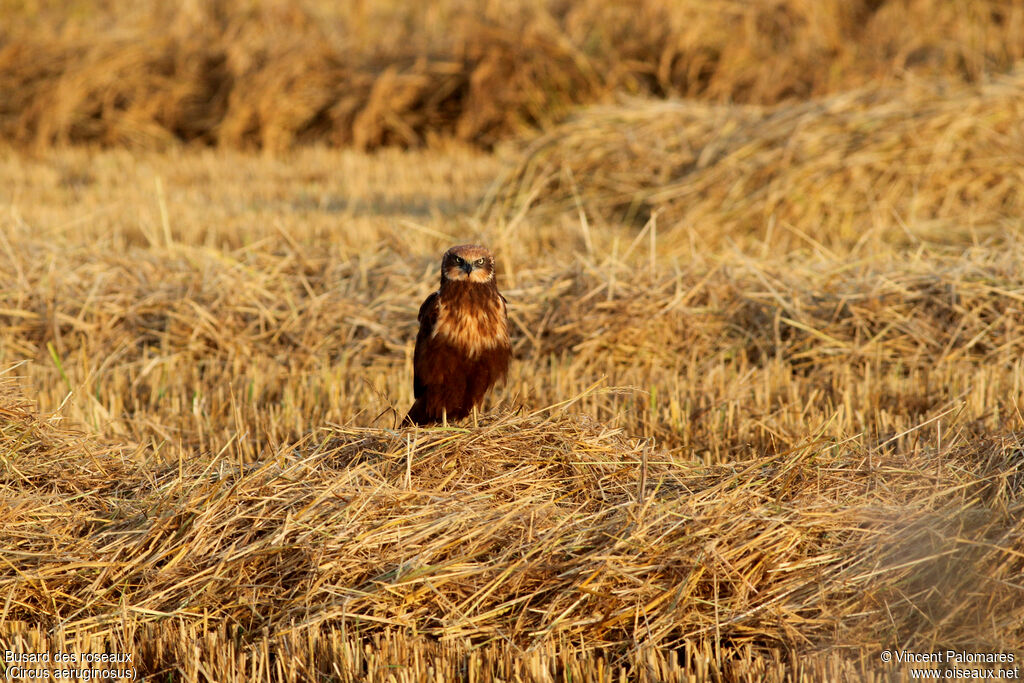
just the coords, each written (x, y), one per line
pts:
(463, 346)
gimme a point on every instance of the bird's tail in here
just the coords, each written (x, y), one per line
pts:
(417, 415)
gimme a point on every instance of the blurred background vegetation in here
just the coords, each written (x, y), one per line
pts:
(269, 74)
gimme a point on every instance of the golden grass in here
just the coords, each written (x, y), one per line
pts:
(725, 450)
(273, 74)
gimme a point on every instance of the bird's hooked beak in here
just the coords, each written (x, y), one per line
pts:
(467, 266)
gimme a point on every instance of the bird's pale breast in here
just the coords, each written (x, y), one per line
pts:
(473, 329)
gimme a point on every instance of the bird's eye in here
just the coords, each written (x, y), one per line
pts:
(458, 260)
(480, 262)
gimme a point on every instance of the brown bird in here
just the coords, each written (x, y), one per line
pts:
(462, 347)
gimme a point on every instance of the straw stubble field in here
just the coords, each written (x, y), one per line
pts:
(763, 421)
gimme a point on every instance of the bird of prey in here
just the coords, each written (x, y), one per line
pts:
(463, 346)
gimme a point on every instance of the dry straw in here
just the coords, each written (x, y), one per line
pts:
(527, 531)
(850, 168)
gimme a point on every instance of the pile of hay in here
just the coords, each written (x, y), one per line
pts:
(846, 169)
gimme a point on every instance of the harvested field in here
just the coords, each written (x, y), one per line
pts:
(826, 439)
(764, 418)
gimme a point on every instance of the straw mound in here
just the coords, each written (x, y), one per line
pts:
(272, 74)
(919, 313)
(831, 171)
(532, 527)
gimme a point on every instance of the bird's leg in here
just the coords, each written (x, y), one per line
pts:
(444, 417)
(475, 425)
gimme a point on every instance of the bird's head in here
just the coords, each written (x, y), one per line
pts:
(469, 263)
